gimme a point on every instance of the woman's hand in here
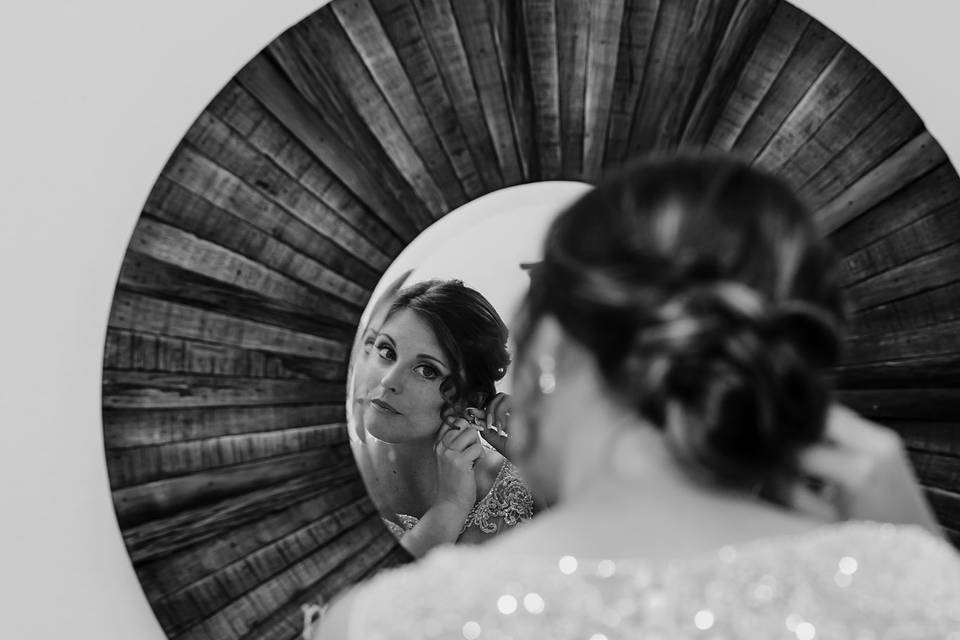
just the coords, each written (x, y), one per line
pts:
(458, 449)
(861, 471)
(493, 422)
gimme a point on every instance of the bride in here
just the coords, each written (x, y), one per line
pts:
(424, 397)
(672, 403)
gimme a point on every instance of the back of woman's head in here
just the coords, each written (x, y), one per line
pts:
(700, 282)
(468, 329)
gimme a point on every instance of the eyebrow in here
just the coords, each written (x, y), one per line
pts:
(422, 356)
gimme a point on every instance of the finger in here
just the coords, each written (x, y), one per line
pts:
(495, 440)
(494, 414)
(834, 465)
(801, 498)
(463, 439)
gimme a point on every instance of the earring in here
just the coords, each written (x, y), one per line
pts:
(547, 379)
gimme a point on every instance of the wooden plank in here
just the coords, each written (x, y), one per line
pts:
(177, 355)
(141, 313)
(935, 437)
(917, 311)
(243, 615)
(144, 275)
(418, 78)
(139, 428)
(132, 466)
(908, 343)
(946, 505)
(449, 55)
(540, 36)
(934, 404)
(928, 194)
(125, 389)
(182, 249)
(747, 24)
(480, 47)
(154, 500)
(929, 271)
(839, 79)
(919, 156)
(815, 49)
(928, 234)
(573, 36)
(617, 47)
(510, 40)
(193, 527)
(215, 140)
(774, 48)
(295, 251)
(936, 469)
(880, 139)
(939, 369)
(389, 196)
(382, 552)
(321, 41)
(189, 605)
(680, 67)
(365, 32)
(168, 575)
(867, 101)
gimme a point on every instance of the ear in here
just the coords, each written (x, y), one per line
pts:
(548, 339)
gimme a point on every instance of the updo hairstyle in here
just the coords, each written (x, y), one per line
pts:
(701, 281)
(471, 334)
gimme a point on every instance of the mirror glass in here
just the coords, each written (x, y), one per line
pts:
(484, 244)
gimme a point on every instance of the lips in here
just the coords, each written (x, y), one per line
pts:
(384, 406)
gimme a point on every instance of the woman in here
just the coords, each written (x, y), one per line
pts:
(670, 372)
(423, 390)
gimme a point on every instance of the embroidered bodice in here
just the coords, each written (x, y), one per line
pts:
(507, 504)
(856, 581)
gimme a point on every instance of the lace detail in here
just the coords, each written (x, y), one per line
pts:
(508, 501)
(855, 580)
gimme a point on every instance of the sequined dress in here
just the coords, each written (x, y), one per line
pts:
(507, 504)
(856, 581)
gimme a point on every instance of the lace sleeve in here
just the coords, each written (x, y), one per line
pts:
(509, 502)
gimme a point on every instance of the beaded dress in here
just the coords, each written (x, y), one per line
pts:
(856, 581)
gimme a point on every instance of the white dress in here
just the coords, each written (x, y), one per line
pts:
(852, 581)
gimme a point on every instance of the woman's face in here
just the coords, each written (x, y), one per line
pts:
(399, 380)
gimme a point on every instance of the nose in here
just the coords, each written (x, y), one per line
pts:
(391, 380)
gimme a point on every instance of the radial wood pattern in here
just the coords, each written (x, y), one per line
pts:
(269, 226)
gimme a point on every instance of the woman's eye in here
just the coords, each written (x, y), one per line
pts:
(385, 352)
(427, 371)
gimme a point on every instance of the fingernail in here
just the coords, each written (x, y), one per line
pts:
(503, 433)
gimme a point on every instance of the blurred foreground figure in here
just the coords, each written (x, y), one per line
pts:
(672, 403)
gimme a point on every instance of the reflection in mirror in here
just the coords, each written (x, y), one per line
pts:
(428, 399)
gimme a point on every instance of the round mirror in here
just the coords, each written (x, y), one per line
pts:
(268, 230)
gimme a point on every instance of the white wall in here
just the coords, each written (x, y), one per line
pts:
(93, 97)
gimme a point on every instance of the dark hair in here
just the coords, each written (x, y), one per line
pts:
(470, 332)
(703, 281)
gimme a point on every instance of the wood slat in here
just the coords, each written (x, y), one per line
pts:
(449, 55)
(929, 271)
(507, 22)
(162, 540)
(573, 34)
(936, 469)
(373, 183)
(243, 615)
(935, 437)
(140, 465)
(480, 46)
(680, 67)
(401, 22)
(919, 156)
(935, 404)
(908, 343)
(617, 47)
(148, 352)
(946, 505)
(168, 575)
(540, 38)
(928, 194)
(913, 311)
(154, 500)
(447, 165)
(141, 313)
(811, 55)
(942, 368)
(322, 41)
(774, 48)
(125, 428)
(124, 389)
(746, 26)
(190, 605)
